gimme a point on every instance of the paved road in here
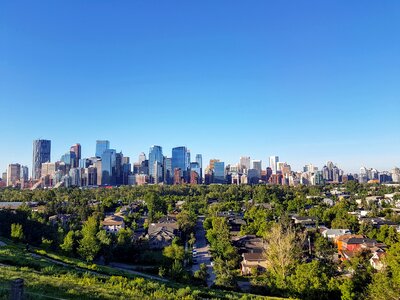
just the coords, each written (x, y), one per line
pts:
(203, 251)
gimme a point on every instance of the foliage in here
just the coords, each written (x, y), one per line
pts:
(89, 245)
(17, 232)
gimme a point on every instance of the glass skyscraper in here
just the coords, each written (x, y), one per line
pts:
(41, 154)
(219, 172)
(101, 146)
(108, 165)
(155, 156)
(180, 160)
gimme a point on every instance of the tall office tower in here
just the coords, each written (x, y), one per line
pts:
(41, 154)
(4, 176)
(126, 170)
(273, 161)
(244, 163)
(212, 162)
(219, 172)
(75, 175)
(118, 168)
(168, 172)
(155, 156)
(157, 172)
(199, 160)
(179, 161)
(24, 173)
(188, 159)
(142, 158)
(195, 167)
(101, 146)
(77, 150)
(13, 174)
(108, 164)
(257, 165)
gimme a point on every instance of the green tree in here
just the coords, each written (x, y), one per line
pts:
(309, 281)
(17, 232)
(89, 245)
(68, 246)
(202, 274)
(174, 252)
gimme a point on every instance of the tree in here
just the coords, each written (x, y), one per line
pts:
(174, 252)
(186, 221)
(310, 281)
(17, 232)
(282, 252)
(202, 274)
(224, 275)
(69, 242)
(89, 245)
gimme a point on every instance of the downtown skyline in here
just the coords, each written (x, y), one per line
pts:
(225, 79)
(296, 165)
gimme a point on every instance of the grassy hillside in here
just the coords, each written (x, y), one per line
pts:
(77, 280)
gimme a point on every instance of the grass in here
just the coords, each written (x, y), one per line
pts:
(77, 280)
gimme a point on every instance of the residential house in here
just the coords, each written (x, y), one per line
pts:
(253, 262)
(113, 223)
(332, 234)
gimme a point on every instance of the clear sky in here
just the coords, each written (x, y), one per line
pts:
(309, 81)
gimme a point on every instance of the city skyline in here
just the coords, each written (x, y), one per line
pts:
(309, 82)
(168, 152)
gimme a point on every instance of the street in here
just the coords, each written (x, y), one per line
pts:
(203, 251)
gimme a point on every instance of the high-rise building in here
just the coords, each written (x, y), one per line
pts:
(168, 171)
(155, 158)
(199, 160)
(244, 163)
(142, 158)
(219, 172)
(13, 174)
(273, 163)
(101, 146)
(108, 165)
(180, 161)
(77, 150)
(257, 165)
(41, 154)
(24, 173)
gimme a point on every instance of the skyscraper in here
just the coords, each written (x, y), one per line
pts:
(41, 154)
(108, 164)
(155, 157)
(13, 174)
(244, 163)
(257, 165)
(179, 161)
(101, 146)
(199, 160)
(273, 161)
(77, 150)
(219, 172)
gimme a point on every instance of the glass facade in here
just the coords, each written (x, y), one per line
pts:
(219, 172)
(101, 146)
(180, 160)
(108, 164)
(41, 154)
(155, 156)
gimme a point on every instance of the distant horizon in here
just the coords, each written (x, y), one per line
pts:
(310, 81)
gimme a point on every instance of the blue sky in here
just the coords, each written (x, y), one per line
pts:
(309, 81)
